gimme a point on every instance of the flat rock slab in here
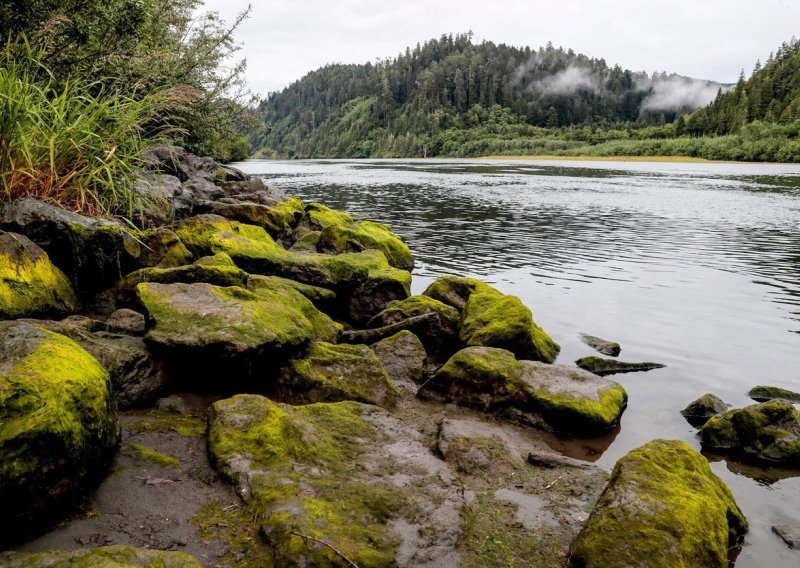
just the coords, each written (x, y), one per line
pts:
(346, 473)
(610, 348)
(602, 367)
(764, 393)
(789, 533)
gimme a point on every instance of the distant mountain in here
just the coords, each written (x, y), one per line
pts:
(393, 107)
(771, 94)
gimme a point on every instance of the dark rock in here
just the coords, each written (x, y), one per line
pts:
(663, 507)
(767, 432)
(610, 348)
(92, 252)
(439, 333)
(763, 393)
(381, 288)
(552, 397)
(126, 321)
(789, 533)
(155, 197)
(699, 411)
(333, 373)
(174, 404)
(59, 428)
(602, 367)
(163, 249)
(30, 285)
(404, 358)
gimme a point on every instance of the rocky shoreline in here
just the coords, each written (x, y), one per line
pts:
(324, 415)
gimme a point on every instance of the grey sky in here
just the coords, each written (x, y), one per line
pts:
(709, 39)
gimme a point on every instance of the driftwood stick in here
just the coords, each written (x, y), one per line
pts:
(378, 333)
(339, 554)
(551, 461)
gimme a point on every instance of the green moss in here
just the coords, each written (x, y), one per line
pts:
(322, 298)
(439, 334)
(581, 414)
(332, 373)
(337, 238)
(492, 319)
(307, 487)
(30, 284)
(218, 269)
(104, 556)
(162, 248)
(662, 507)
(143, 453)
(320, 216)
(164, 421)
(455, 290)
(762, 393)
(288, 212)
(238, 527)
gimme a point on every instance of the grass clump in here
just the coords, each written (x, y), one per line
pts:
(143, 453)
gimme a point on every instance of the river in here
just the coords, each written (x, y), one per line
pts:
(693, 265)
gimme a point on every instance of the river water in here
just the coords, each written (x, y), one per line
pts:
(696, 266)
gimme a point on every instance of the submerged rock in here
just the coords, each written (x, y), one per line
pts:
(203, 324)
(790, 534)
(601, 366)
(346, 473)
(662, 507)
(30, 285)
(438, 333)
(103, 556)
(404, 358)
(333, 373)
(553, 397)
(699, 411)
(768, 432)
(58, 426)
(610, 348)
(764, 393)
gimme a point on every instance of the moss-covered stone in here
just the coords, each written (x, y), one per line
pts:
(602, 366)
(333, 373)
(254, 250)
(554, 397)
(455, 290)
(354, 237)
(404, 358)
(699, 411)
(305, 240)
(381, 288)
(101, 557)
(162, 248)
(319, 216)
(30, 285)
(438, 332)
(493, 319)
(143, 453)
(201, 323)
(323, 298)
(58, 425)
(768, 432)
(218, 270)
(278, 219)
(662, 507)
(763, 393)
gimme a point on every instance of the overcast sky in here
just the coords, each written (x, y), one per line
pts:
(709, 39)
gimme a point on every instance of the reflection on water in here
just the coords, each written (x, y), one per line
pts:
(696, 266)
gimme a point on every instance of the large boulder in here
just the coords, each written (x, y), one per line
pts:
(333, 373)
(492, 319)
(58, 425)
(162, 248)
(255, 251)
(404, 358)
(662, 507)
(206, 327)
(218, 270)
(323, 298)
(337, 238)
(100, 557)
(30, 285)
(92, 252)
(330, 481)
(278, 219)
(381, 288)
(553, 397)
(768, 432)
(438, 331)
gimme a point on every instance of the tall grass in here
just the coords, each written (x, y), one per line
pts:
(72, 144)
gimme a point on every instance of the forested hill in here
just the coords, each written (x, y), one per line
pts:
(770, 95)
(401, 106)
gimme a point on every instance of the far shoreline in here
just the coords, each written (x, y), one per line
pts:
(676, 159)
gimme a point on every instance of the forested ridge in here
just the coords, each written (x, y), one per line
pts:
(453, 97)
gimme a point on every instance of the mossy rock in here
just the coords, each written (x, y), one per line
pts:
(255, 251)
(162, 248)
(333, 373)
(767, 432)
(30, 285)
(602, 366)
(404, 358)
(58, 425)
(381, 288)
(319, 216)
(354, 237)
(493, 319)
(100, 557)
(278, 219)
(218, 270)
(699, 411)
(455, 290)
(438, 333)
(93, 253)
(281, 290)
(328, 471)
(662, 507)
(205, 324)
(553, 397)
(764, 393)
(304, 240)
(323, 298)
